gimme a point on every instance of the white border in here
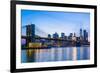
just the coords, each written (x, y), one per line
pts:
(20, 65)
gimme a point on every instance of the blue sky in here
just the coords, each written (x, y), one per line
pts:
(51, 22)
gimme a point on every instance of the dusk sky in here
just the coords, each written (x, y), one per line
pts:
(51, 22)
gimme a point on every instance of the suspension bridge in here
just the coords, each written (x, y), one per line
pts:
(35, 32)
(31, 33)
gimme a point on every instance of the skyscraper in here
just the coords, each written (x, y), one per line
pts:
(70, 36)
(80, 32)
(49, 36)
(85, 35)
(55, 35)
(74, 34)
(62, 35)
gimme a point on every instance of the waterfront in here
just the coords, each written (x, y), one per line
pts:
(55, 54)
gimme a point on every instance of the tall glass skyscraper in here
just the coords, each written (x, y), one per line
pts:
(85, 35)
(80, 32)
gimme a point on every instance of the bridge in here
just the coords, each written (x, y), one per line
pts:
(46, 38)
(32, 33)
(33, 30)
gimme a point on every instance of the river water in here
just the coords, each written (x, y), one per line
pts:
(55, 54)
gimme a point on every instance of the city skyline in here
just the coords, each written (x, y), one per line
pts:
(73, 34)
(32, 37)
(57, 21)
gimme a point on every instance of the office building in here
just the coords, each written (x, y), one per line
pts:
(49, 36)
(85, 35)
(80, 32)
(55, 35)
(62, 35)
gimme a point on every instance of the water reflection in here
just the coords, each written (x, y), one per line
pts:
(55, 54)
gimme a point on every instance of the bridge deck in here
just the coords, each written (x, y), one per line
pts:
(59, 39)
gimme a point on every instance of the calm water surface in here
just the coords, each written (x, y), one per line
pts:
(55, 54)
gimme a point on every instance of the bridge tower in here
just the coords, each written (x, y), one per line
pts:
(30, 33)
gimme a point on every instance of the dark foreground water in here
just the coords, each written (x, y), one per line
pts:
(55, 54)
